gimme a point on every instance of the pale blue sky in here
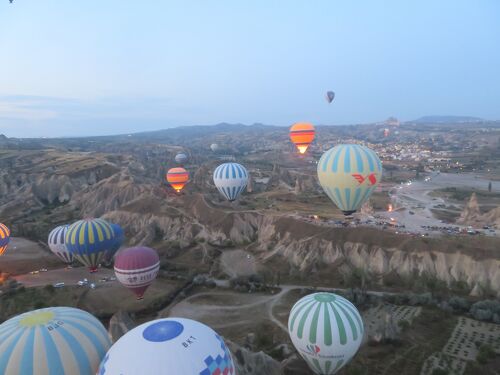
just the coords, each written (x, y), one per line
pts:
(117, 66)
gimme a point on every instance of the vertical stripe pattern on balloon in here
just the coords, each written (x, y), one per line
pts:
(4, 238)
(230, 179)
(327, 330)
(52, 341)
(57, 243)
(88, 240)
(349, 174)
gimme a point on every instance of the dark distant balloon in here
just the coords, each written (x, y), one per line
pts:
(181, 158)
(330, 95)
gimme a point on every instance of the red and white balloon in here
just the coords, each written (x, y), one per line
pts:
(136, 268)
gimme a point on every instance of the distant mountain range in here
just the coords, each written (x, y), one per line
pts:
(446, 119)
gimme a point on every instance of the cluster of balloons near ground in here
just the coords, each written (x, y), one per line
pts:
(325, 328)
(348, 173)
(92, 241)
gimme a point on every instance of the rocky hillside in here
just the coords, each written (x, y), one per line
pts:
(471, 215)
(41, 189)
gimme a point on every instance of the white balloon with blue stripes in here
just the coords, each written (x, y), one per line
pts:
(57, 243)
(230, 179)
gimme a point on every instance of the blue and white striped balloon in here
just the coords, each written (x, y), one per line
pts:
(230, 179)
(349, 174)
(52, 341)
(57, 243)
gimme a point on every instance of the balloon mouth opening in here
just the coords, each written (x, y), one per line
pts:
(302, 149)
(92, 269)
(140, 298)
(348, 213)
(178, 187)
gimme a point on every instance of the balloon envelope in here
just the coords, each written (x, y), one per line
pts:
(167, 347)
(214, 147)
(302, 135)
(4, 238)
(118, 239)
(57, 243)
(88, 240)
(230, 179)
(52, 341)
(177, 178)
(330, 95)
(181, 158)
(136, 268)
(327, 330)
(349, 174)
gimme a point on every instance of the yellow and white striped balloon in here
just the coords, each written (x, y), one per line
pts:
(349, 174)
(52, 341)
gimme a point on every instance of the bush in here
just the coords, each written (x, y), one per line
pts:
(49, 288)
(486, 353)
(485, 310)
(440, 371)
(404, 324)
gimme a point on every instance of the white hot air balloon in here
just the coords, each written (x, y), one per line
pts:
(214, 147)
(181, 158)
(57, 243)
(327, 330)
(230, 179)
(169, 346)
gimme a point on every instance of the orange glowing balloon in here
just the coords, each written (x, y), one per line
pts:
(177, 178)
(301, 135)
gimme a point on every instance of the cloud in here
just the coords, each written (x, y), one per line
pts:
(36, 116)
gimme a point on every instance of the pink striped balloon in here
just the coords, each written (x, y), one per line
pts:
(136, 268)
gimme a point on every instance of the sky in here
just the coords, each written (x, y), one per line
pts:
(93, 67)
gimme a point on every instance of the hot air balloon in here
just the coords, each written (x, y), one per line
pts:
(330, 95)
(52, 341)
(136, 268)
(181, 158)
(214, 147)
(169, 346)
(177, 178)
(230, 179)
(349, 174)
(119, 237)
(386, 132)
(88, 240)
(302, 134)
(4, 238)
(57, 243)
(327, 330)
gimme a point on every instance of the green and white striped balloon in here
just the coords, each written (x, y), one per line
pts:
(327, 330)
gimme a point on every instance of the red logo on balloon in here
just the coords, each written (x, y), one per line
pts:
(372, 178)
